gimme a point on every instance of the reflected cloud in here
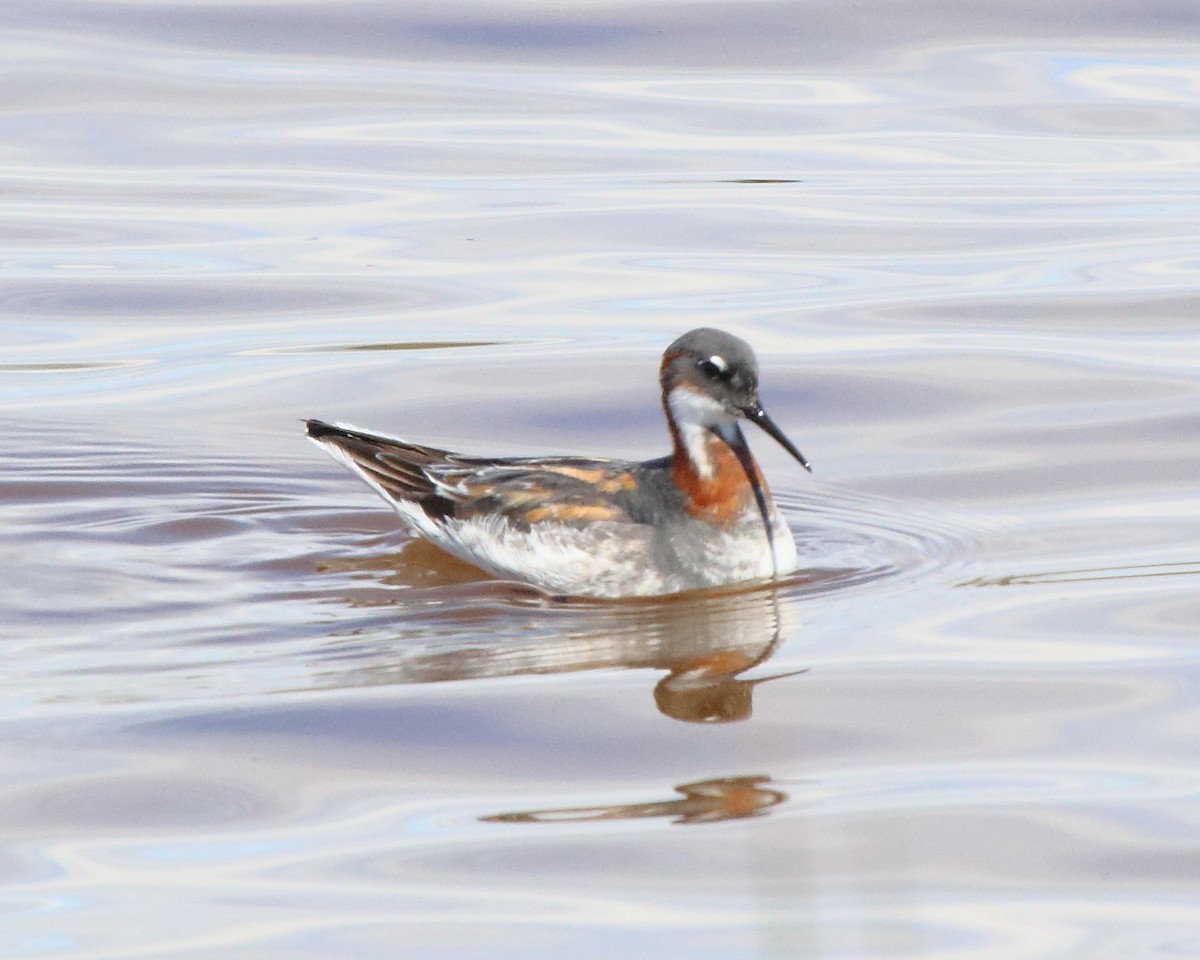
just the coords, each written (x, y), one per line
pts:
(704, 643)
(705, 801)
(753, 91)
(1137, 81)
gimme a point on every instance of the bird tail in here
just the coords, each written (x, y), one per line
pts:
(393, 467)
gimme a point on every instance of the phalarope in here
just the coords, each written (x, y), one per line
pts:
(699, 517)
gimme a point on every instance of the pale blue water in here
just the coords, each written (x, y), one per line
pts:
(243, 715)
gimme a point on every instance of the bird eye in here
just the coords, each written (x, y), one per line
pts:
(715, 368)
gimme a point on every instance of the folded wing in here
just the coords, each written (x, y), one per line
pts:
(445, 485)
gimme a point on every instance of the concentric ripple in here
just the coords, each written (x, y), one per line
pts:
(847, 538)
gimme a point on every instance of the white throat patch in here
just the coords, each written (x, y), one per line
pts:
(695, 414)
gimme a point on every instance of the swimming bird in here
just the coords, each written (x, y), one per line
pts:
(701, 516)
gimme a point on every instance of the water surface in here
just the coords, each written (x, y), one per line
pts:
(245, 715)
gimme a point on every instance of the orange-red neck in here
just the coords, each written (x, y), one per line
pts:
(716, 490)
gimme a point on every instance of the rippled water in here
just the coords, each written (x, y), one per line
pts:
(245, 716)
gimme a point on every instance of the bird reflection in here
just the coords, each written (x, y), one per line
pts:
(703, 642)
(705, 801)
(710, 691)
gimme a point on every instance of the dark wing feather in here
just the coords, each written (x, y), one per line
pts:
(527, 491)
(394, 467)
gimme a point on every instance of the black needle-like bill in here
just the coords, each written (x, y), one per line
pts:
(756, 414)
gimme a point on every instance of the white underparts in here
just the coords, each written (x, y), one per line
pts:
(696, 415)
(611, 559)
